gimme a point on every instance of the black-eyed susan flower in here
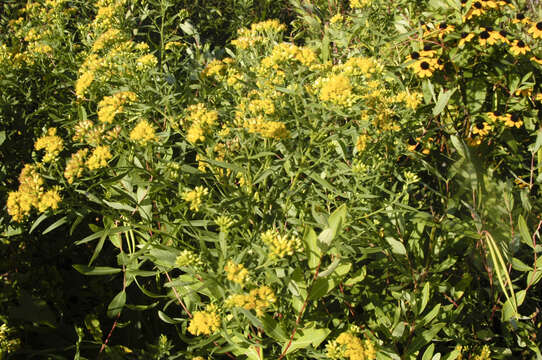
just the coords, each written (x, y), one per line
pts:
(494, 36)
(474, 141)
(465, 38)
(445, 29)
(481, 128)
(476, 9)
(521, 19)
(428, 51)
(506, 3)
(494, 116)
(484, 37)
(489, 4)
(536, 60)
(519, 47)
(439, 64)
(502, 36)
(513, 120)
(536, 30)
(414, 56)
(464, 2)
(413, 144)
(423, 68)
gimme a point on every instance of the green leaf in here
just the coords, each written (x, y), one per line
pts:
(116, 305)
(55, 225)
(397, 247)
(311, 248)
(428, 354)
(320, 288)
(311, 336)
(398, 330)
(273, 329)
(95, 270)
(524, 231)
(425, 297)
(443, 98)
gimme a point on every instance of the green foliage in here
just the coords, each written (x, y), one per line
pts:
(364, 187)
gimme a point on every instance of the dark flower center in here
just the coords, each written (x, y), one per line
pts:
(503, 33)
(411, 142)
(521, 43)
(443, 26)
(480, 126)
(440, 62)
(539, 25)
(497, 113)
(464, 35)
(484, 35)
(520, 16)
(515, 118)
(489, 28)
(415, 55)
(424, 65)
(478, 5)
(427, 48)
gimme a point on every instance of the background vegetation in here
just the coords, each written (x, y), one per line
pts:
(284, 180)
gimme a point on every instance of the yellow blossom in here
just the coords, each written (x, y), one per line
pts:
(281, 245)
(358, 4)
(259, 300)
(83, 82)
(143, 133)
(75, 166)
(49, 200)
(110, 106)
(338, 90)
(188, 258)
(52, 144)
(99, 157)
(204, 322)
(195, 197)
(146, 61)
(236, 272)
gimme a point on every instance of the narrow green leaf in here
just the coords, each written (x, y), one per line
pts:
(443, 98)
(95, 270)
(524, 231)
(116, 305)
(397, 247)
(55, 225)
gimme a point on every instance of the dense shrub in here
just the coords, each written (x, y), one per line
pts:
(366, 188)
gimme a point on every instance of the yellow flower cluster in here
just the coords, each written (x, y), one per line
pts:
(258, 106)
(214, 69)
(361, 142)
(281, 245)
(143, 133)
(204, 322)
(200, 122)
(146, 62)
(268, 129)
(31, 194)
(195, 197)
(337, 89)
(285, 52)
(99, 157)
(75, 166)
(52, 144)
(87, 131)
(359, 4)
(112, 105)
(358, 66)
(236, 272)
(224, 222)
(259, 300)
(188, 258)
(349, 346)
(83, 83)
(411, 100)
(109, 37)
(173, 44)
(261, 32)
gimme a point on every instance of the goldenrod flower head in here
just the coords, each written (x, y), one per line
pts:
(83, 82)
(99, 157)
(214, 68)
(281, 245)
(359, 4)
(337, 89)
(485, 354)
(110, 106)
(361, 142)
(337, 18)
(173, 45)
(75, 166)
(195, 197)
(188, 258)
(107, 38)
(49, 200)
(52, 144)
(349, 346)
(204, 322)
(143, 133)
(268, 129)
(236, 273)
(259, 300)
(224, 222)
(146, 62)
(265, 106)
(200, 121)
